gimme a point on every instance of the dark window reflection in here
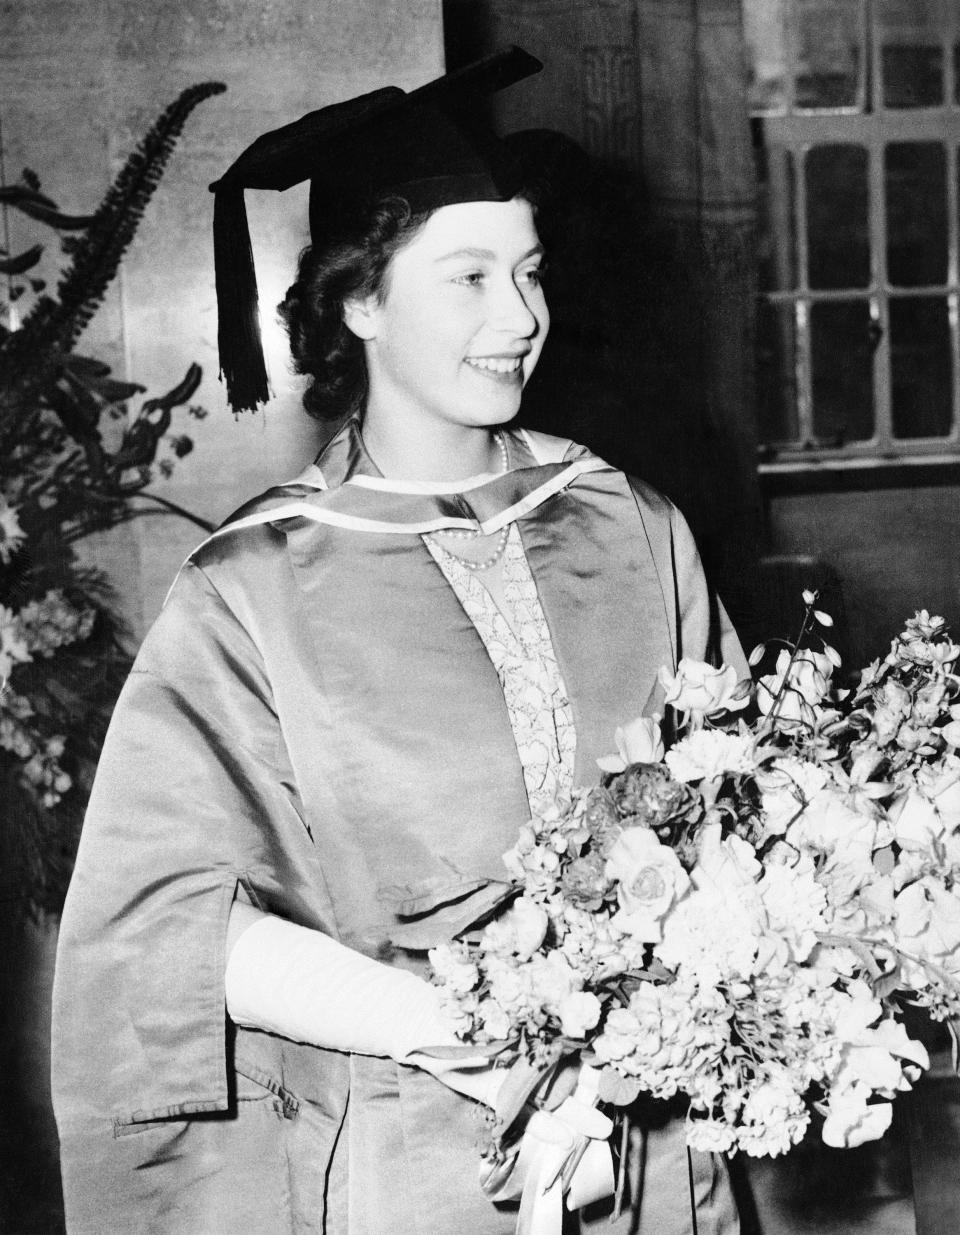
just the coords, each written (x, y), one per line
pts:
(912, 76)
(838, 237)
(915, 180)
(842, 357)
(920, 366)
(776, 372)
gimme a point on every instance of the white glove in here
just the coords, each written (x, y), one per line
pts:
(305, 986)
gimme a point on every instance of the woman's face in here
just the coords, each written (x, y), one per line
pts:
(458, 327)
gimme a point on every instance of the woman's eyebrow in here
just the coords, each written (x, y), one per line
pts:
(488, 254)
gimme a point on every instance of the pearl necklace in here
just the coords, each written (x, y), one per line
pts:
(471, 533)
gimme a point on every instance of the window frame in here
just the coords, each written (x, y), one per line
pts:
(872, 127)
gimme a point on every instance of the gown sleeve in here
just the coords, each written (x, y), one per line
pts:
(705, 630)
(193, 799)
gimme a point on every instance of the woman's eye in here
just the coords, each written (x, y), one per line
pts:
(472, 278)
(533, 276)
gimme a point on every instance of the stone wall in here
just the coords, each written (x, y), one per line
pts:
(80, 83)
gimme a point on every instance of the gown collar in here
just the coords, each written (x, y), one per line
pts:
(343, 488)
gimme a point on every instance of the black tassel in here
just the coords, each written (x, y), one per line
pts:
(241, 351)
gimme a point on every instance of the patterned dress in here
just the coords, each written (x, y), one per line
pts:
(522, 654)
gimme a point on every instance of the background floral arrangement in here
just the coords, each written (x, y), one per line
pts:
(742, 910)
(74, 459)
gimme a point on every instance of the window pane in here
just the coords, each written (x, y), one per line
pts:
(842, 361)
(838, 241)
(920, 364)
(765, 34)
(915, 179)
(776, 180)
(910, 34)
(830, 53)
(776, 372)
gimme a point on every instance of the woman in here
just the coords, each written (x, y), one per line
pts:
(356, 692)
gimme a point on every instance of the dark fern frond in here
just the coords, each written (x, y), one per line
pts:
(55, 325)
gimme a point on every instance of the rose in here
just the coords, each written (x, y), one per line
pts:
(641, 741)
(649, 879)
(649, 794)
(700, 688)
(584, 881)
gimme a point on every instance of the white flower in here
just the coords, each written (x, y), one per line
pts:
(787, 786)
(552, 978)
(794, 903)
(454, 968)
(12, 534)
(649, 878)
(711, 936)
(639, 742)
(916, 821)
(836, 822)
(851, 1120)
(495, 1021)
(805, 683)
(706, 754)
(700, 688)
(518, 932)
(774, 1117)
(579, 1012)
(711, 1136)
(928, 921)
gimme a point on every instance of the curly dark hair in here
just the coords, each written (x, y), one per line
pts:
(350, 260)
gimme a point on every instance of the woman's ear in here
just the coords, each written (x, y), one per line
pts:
(360, 316)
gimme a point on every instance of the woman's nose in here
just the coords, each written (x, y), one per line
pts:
(512, 312)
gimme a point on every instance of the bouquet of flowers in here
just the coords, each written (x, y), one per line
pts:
(742, 908)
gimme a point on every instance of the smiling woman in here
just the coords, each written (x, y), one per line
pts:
(452, 338)
(358, 689)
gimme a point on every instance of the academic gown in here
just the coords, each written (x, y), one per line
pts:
(314, 724)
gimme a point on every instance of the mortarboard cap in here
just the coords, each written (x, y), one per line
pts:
(428, 146)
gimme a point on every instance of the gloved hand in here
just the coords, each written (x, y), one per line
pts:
(305, 986)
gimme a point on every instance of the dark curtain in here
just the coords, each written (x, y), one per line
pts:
(650, 223)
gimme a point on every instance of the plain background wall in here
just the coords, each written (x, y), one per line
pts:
(80, 83)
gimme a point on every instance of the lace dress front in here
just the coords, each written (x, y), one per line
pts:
(522, 654)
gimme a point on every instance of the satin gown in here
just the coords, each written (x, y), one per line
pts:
(314, 719)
